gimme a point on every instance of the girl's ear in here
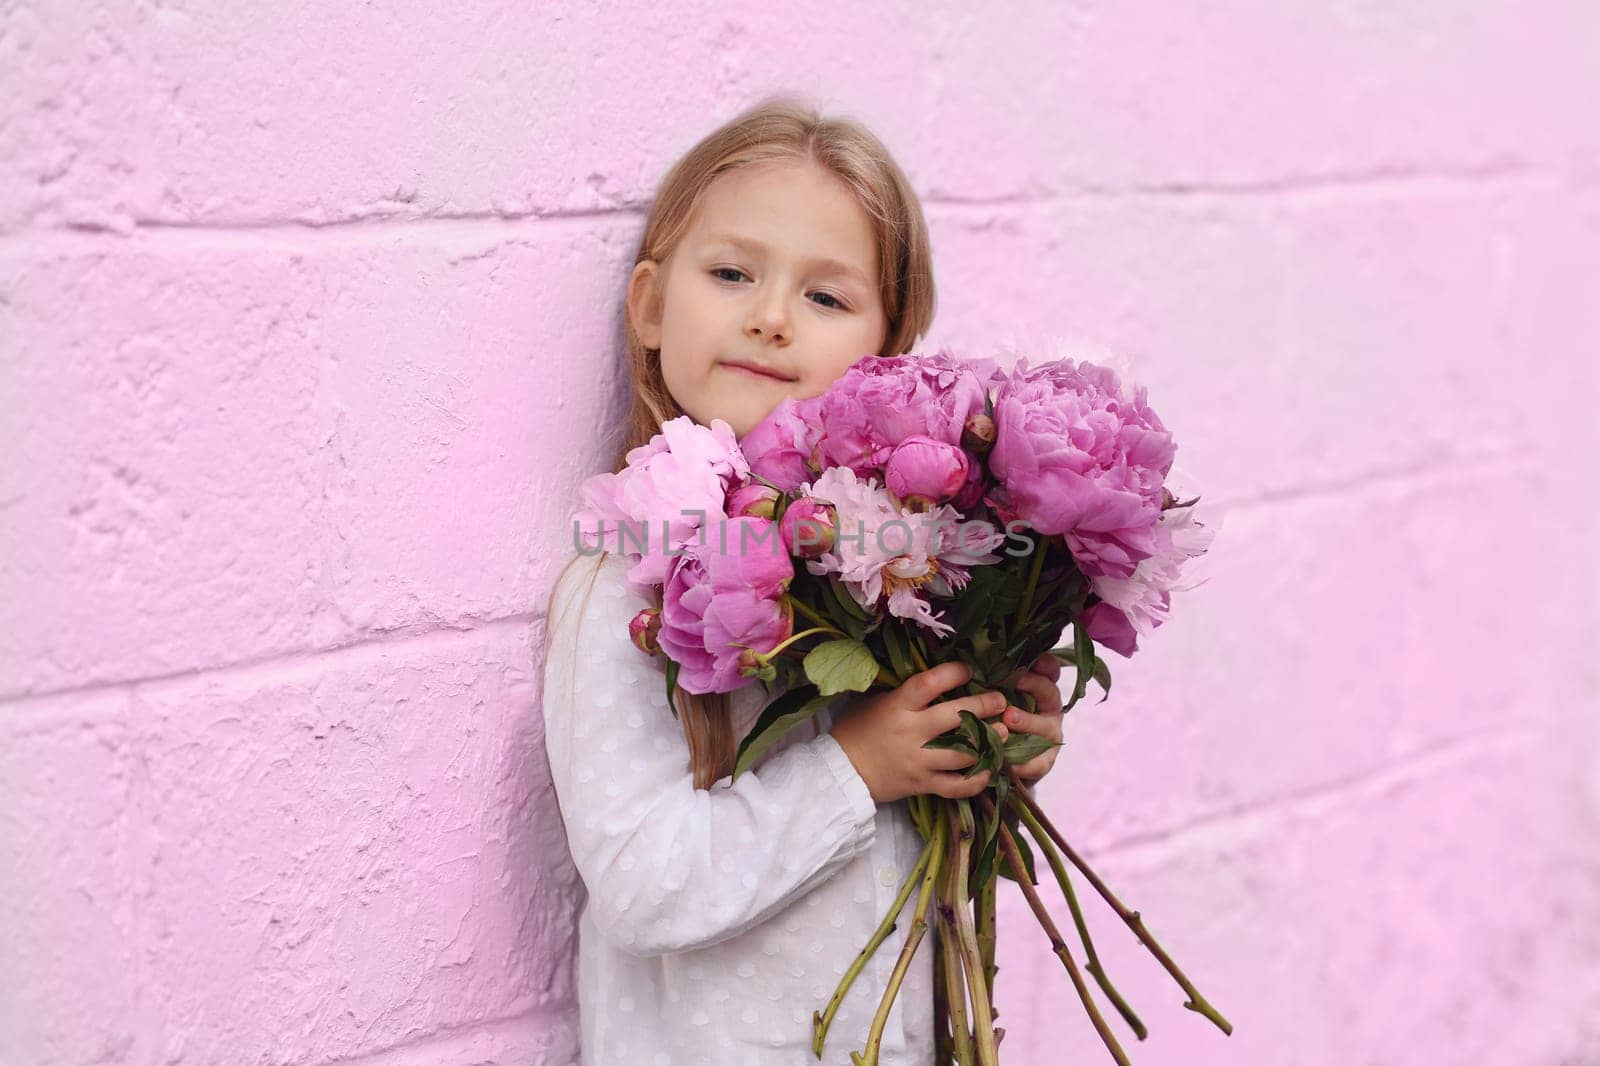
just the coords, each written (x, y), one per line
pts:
(644, 302)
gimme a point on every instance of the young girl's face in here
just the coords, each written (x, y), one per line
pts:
(777, 271)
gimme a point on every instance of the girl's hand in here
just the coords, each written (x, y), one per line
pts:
(884, 733)
(1039, 682)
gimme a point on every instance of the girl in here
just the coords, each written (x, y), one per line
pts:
(720, 914)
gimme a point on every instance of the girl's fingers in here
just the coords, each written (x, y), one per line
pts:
(954, 786)
(1039, 725)
(1049, 666)
(1046, 696)
(922, 689)
(943, 717)
(948, 759)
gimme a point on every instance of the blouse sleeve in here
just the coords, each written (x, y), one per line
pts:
(669, 867)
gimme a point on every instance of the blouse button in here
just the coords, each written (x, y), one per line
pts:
(887, 876)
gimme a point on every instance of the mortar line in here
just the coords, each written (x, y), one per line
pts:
(1421, 471)
(21, 714)
(441, 1039)
(1409, 768)
(296, 234)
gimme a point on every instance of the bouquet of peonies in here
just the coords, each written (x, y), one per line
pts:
(943, 509)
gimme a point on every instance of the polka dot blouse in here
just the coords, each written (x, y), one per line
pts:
(716, 922)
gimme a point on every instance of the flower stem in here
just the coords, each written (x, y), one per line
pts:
(1042, 839)
(1196, 1002)
(1034, 567)
(820, 1022)
(985, 920)
(982, 1019)
(913, 644)
(773, 654)
(948, 935)
(1014, 860)
(809, 613)
(943, 1045)
(919, 926)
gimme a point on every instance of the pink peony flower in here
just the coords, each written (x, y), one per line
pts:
(808, 528)
(922, 471)
(723, 598)
(753, 499)
(1077, 457)
(971, 492)
(893, 558)
(1134, 606)
(780, 447)
(1110, 628)
(882, 400)
(671, 486)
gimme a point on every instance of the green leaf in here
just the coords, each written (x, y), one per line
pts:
(988, 594)
(779, 716)
(1042, 632)
(993, 754)
(979, 678)
(1021, 747)
(847, 603)
(894, 644)
(672, 687)
(952, 741)
(841, 666)
(1083, 648)
(988, 851)
(1102, 674)
(1024, 851)
(973, 730)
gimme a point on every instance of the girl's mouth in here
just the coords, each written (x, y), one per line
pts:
(768, 375)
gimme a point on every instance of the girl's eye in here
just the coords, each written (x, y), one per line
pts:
(718, 272)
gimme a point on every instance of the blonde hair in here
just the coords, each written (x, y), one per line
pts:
(779, 128)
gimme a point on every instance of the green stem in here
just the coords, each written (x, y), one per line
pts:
(978, 987)
(985, 920)
(1034, 567)
(943, 1046)
(949, 939)
(820, 1022)
(1093, 966)
(1014, 860)
(918, 808)
(773, 654)
(913, 642)
(919, 926)
(1196, 1002)
(809, 613)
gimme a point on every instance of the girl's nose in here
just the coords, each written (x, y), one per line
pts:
(768, 320)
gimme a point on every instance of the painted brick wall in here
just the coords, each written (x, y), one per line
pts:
(308, 321)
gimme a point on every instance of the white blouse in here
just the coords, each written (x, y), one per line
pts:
(716, 922)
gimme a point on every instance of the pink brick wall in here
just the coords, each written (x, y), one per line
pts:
(308, 318)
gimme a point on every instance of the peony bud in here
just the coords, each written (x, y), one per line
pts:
(644, 628)
(978, 434)
(813, 459)
(927, 468)
(808, 527)
(755, 499)
(751, 665)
